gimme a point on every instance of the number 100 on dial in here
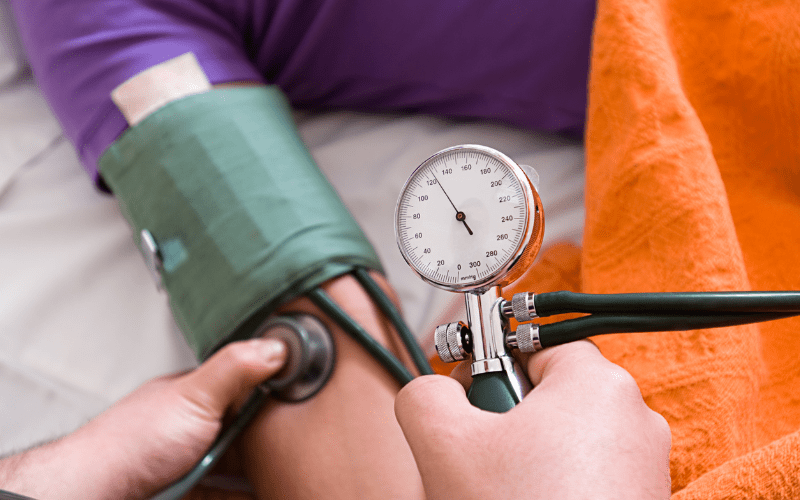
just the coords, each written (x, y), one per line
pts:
(469, 218)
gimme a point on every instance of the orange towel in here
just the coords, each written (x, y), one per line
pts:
(693, 183)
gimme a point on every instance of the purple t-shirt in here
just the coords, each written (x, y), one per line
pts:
(517, 61)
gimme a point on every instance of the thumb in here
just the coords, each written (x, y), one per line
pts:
(431, 408)
(439, 424)
(232, 372)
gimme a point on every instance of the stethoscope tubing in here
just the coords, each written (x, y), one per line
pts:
(389, 310)
(688, 303)
(571, 330)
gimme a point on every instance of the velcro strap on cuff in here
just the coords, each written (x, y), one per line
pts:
(242, 217)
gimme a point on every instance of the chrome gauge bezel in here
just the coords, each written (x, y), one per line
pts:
(529, 243)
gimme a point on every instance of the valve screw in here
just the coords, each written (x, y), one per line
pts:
(453, 341)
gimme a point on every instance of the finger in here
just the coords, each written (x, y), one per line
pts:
(233, 371)
(564, 360)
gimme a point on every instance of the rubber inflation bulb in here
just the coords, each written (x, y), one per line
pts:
(492, 392)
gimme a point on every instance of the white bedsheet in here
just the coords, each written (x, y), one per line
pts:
(81, 322)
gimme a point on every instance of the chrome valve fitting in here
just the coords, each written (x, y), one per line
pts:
(453, 341)
(526, 338)
(521, 307)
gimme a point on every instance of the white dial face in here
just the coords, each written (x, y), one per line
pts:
(462, 218)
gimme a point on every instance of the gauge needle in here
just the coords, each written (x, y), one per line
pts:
(460, 216)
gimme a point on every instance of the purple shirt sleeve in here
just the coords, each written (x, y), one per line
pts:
(519, 62)
(81, 50)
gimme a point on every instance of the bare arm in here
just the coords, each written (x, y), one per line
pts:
(345, 442)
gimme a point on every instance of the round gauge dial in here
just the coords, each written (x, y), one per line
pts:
(469, 218)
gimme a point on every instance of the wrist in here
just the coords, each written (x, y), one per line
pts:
(133, 450)
(102, 452)
(68, 468)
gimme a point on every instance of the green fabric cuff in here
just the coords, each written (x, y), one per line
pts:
(242, 217)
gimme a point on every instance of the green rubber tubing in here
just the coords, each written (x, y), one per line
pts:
(390, 311)
(357, 332)
(571, 330)
(492, 392)
(552, 303)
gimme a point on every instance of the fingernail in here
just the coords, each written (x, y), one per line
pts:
(274, 350)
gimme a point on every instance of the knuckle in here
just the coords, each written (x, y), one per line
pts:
(621, 385)
(621, 379)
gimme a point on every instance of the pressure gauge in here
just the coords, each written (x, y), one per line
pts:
(469, 218)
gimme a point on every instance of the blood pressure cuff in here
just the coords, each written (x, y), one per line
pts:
(241, 217)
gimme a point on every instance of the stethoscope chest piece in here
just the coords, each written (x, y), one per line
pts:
(311, 356)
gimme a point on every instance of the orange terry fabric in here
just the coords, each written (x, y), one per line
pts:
(693, 183)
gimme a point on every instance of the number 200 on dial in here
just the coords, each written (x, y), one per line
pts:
(469, 218)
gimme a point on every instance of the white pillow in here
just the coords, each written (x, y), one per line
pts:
(12, 61)
(27, 128)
